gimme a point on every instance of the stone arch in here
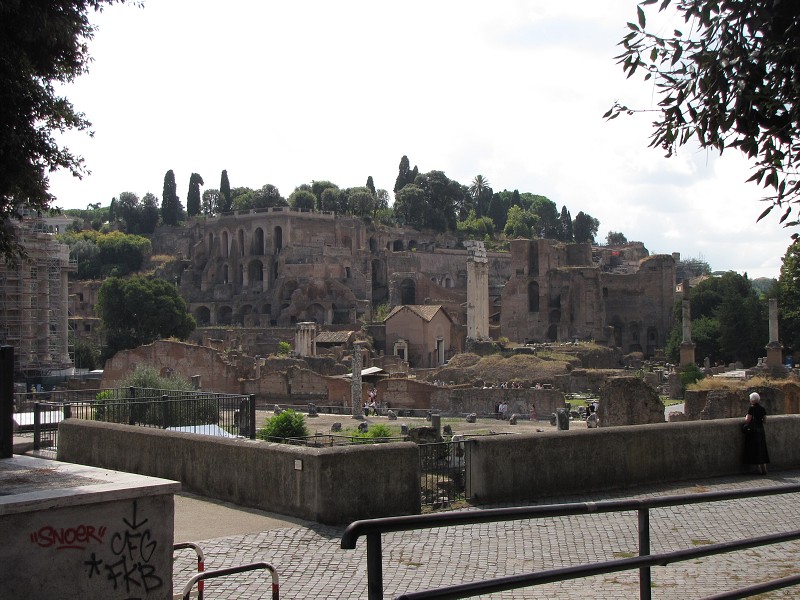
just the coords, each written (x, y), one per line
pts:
(277, 238)
(408, 292)
(412, 245)
(244, 312)
(533, 297)
(240, 274)
(315, 312)
(258, 242)
(255, 271)
(202, 315)
(224, 315)
(225, 248)
(210, 242)
(240, 239)
(225, 273)
(373, 244)
(652, 340)
(552, 332)
(448, 282)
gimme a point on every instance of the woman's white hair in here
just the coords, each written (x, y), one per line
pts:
(754, 397)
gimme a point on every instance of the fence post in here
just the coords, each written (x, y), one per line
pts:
(252, 416)
(644, 550)
(6, 401)
(131, 405)
(37, 426)
(167, 410)
(374, 567)
(67, 410)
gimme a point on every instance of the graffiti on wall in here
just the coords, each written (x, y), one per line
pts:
(121, 554)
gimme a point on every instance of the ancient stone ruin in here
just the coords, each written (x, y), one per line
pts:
(628, 401)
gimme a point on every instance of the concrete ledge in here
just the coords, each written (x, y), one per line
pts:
(327, 485)
(527, 467)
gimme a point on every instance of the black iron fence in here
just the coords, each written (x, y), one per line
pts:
(373, 529)
(206, 413)
(443, 472)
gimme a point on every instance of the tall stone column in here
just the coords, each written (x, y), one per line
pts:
(774, 347)
(687, 345)
(355, 385)
(477, 291)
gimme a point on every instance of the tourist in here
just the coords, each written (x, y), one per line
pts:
(755, 440)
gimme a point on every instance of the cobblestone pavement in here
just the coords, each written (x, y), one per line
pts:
(311, 564)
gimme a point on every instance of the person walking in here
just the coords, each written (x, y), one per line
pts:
(755, 440)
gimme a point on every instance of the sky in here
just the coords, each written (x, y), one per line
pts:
(291, 92)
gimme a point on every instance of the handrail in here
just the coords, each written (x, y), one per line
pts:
(201, 562)
(187, 589)
(373, 528)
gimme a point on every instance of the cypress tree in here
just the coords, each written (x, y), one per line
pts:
(170, 204)
(225, 197)
(193, 197)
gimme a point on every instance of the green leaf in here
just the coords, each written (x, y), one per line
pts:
(653, 54)
(640, 14)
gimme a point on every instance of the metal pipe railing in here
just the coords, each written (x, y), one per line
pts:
(187, 589)
(372, 529)
(201, 562)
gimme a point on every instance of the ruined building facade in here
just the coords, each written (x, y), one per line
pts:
(280, 266)
(34, 299)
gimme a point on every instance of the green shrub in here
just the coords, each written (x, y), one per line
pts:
(690, 374)
(284, 348)
(379, 431)
(288, 424)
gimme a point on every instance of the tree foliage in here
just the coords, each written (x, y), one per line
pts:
(616, 238)
(193, 197)
(170, 203)
(225, 197)
(585, 227)
(728, 79)
(302, 199)
(104, 254)
(43, 45)
(405, 175)
(139, 310)
(788, 294)
(729, 321)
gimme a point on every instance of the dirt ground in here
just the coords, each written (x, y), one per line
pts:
(323, 422)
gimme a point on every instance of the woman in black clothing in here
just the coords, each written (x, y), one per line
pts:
(755, 442)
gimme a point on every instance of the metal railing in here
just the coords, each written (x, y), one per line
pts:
(372, 529)
(204, 413)
(200, 577)
(201, 562)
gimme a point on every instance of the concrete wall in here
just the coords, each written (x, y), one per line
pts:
(328, 485)
(590, 460)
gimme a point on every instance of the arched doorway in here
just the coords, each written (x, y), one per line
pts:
(277, 238)
(408, 292)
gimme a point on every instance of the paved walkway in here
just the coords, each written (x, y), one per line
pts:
(311, 563)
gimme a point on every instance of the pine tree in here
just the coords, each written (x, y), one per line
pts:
(371, 185)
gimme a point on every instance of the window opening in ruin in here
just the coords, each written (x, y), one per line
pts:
(408, 292)
(241, 242)
(605, 292)
(397, 246)
(533, 297)
(224, 273)
(439, 351)
(347, 272)
(277, 237)
(224, 244)
(258, 242)
(373, 245)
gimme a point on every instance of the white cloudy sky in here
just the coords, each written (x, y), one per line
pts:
(290, 92)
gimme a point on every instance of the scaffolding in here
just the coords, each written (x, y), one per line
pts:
(34, 300)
